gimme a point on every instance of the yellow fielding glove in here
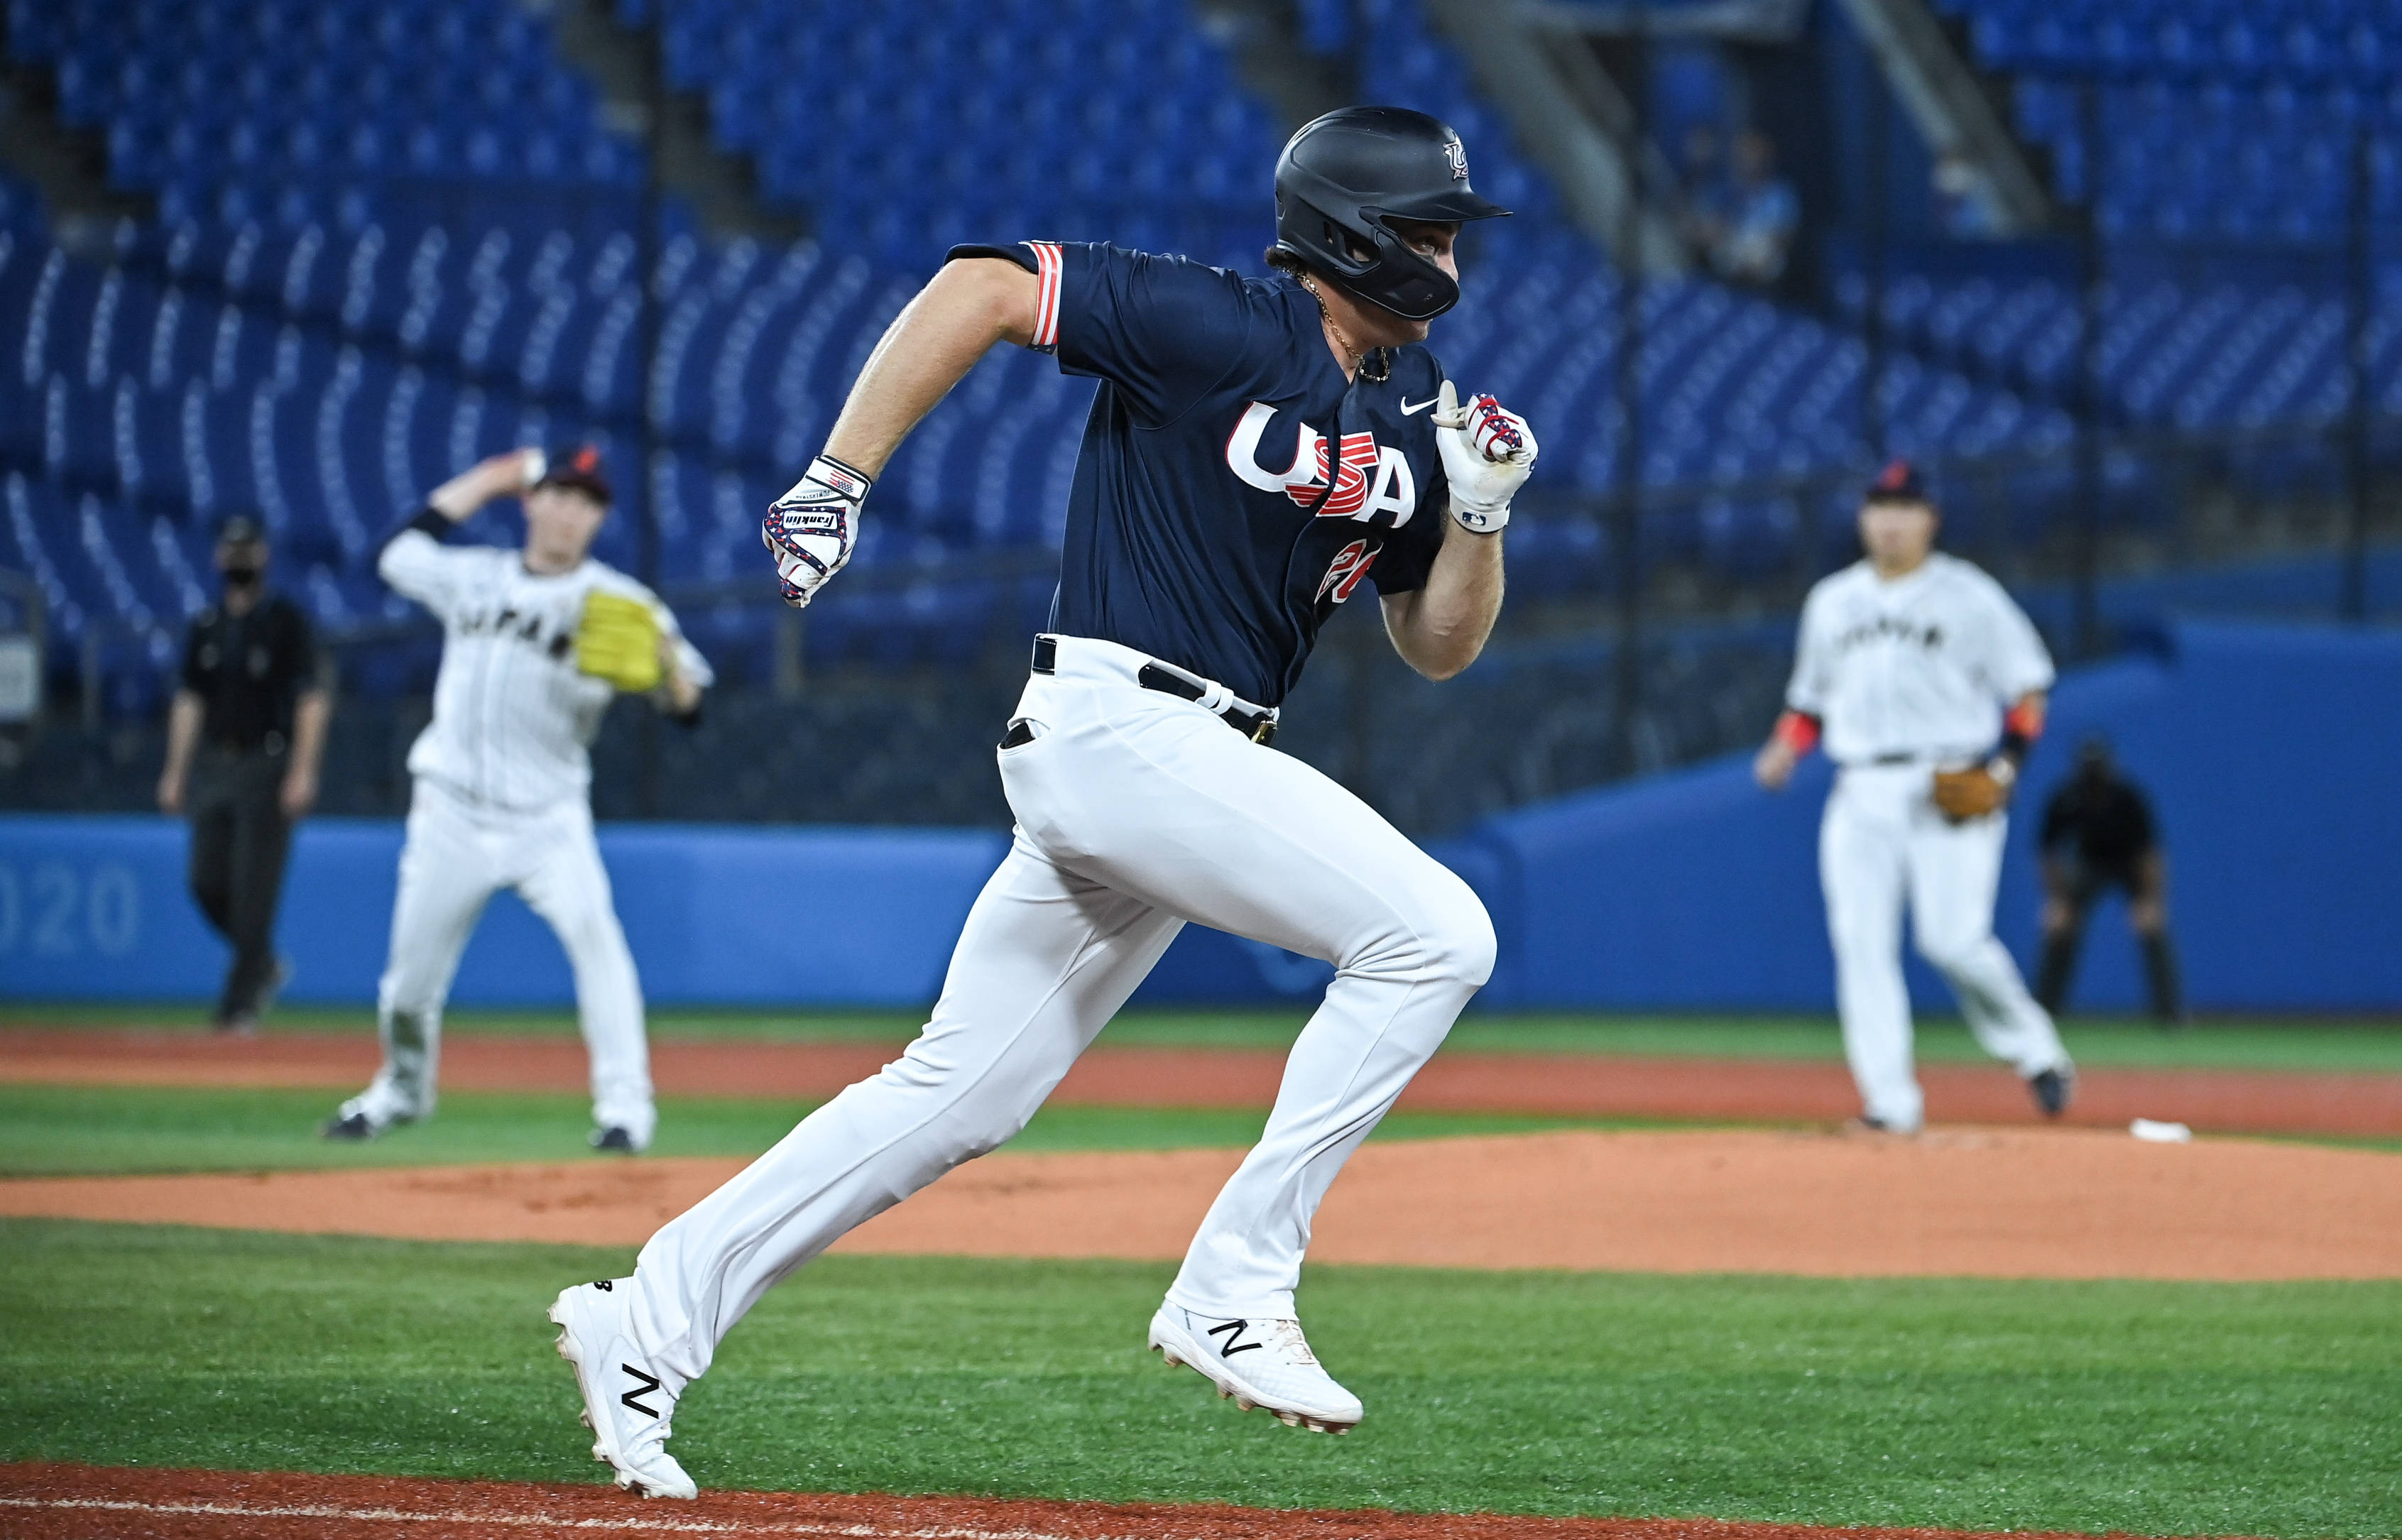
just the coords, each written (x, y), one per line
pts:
(619, 640)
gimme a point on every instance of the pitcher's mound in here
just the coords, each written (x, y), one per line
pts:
(2047, 1204)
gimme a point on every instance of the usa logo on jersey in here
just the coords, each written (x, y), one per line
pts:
(1369, 480)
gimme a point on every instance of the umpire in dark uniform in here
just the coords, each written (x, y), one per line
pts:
(2099, 834)
(245, 738)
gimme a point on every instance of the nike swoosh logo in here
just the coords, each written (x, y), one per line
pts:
(1408, 410)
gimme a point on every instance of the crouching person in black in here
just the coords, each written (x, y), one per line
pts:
(245, 738)
(2099, 834)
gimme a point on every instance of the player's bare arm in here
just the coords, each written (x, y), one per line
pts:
(956, 319)
(1795, 734)
(497, 476)
(1440, 629)
(1487, 452)
(679, 692)
(310, 714)
(183, 741)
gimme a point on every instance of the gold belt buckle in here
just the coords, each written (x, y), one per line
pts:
(1264, 731)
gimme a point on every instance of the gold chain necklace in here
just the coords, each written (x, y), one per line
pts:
(1384, 369)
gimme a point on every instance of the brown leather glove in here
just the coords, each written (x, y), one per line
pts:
(1972, 793)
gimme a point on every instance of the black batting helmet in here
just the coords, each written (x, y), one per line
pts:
(1347, 175)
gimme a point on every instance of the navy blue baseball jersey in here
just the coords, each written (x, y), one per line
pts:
(1209, 525)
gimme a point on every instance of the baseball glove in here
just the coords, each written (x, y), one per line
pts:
(1972, 793)
(619, 640)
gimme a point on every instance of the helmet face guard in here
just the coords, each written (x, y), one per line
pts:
(1345, 178)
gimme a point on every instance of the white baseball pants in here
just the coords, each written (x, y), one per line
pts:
(1137, 811)
(1882, 846)
(457, 855)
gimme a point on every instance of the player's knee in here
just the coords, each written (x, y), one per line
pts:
(1950, 953)
(1457, 939)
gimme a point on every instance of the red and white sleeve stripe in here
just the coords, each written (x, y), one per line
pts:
(1049, 267)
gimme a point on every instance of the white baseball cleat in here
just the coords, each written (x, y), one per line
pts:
(1259, 1363)
(627, 1408)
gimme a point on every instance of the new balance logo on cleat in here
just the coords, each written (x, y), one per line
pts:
(1234, 1343)
(649, 1384)
(1286, 1379)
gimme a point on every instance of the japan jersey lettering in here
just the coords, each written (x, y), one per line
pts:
(513, 716)
(1921, 665)
(1232, 488)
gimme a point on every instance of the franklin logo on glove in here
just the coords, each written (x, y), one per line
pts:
(810, 530)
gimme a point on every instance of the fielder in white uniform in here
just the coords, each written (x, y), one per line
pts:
(502, 782)
(1919, 670)
(1214, 524)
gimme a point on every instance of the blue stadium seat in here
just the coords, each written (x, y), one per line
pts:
(343, 300)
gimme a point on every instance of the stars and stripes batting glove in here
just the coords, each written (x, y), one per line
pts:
(1487, 454)
(810, 530)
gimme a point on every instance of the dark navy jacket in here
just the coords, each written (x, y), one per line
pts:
(1202, 529)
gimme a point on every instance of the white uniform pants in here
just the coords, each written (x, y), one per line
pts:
(457, 855)
(1137, 811)
(1884, 845)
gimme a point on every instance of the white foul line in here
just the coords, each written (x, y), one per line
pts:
(658, 1526)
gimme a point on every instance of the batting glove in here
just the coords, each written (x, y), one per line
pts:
(1487, 455)
(811, 528)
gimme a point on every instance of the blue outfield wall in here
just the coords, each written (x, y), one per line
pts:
(2270, 753)
(2271, 756)
(95, 907)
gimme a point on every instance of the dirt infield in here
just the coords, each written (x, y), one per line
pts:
(1582, 1085)
(58, 1502)
(1983, 1203)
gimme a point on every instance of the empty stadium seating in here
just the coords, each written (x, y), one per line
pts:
(906, 127)
(2189, 356)
(301, 333)
(296, 111)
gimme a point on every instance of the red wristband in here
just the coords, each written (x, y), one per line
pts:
(1798, 731)
(2020, 726)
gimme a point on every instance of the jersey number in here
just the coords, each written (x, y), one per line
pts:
(1351, 564)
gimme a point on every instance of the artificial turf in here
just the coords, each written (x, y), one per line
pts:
(2366, 1046)
(2159, 1409)
(48, 1130)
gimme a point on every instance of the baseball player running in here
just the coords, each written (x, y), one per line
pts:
(1257, 449)
(1929, 685)
(535, 643)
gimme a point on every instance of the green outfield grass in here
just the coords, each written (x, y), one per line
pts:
(76, 1130)
(2150, 1408)
(2361, 1046)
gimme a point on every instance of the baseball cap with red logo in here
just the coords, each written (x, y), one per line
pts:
(1900, 482)
(578, 470)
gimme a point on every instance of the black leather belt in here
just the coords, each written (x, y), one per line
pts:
(1258, 726)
